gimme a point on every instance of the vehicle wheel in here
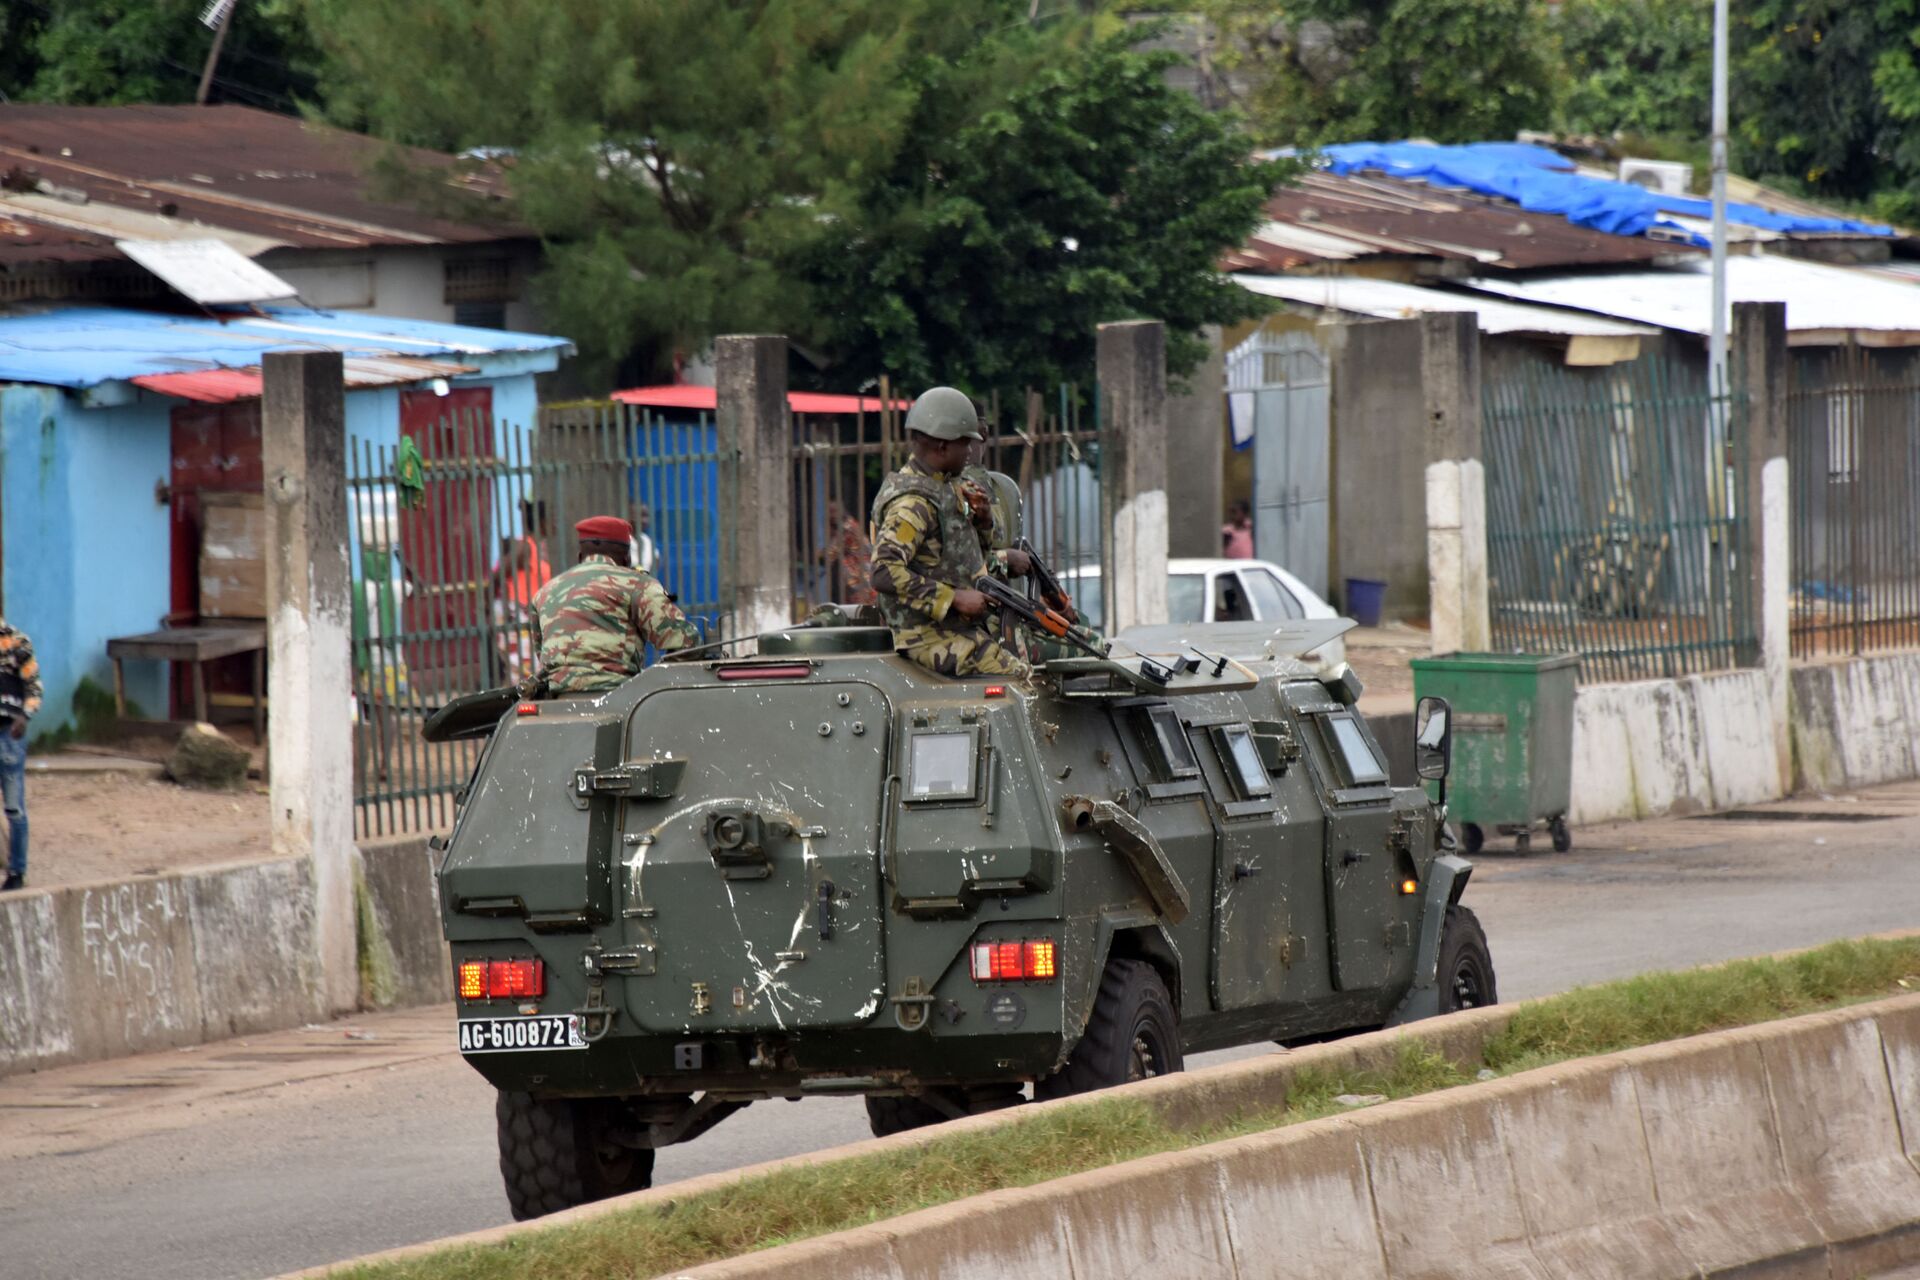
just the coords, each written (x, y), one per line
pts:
(897, 1115)
(1132, 1035)
(556, 1153)
(1562, 836)
(1472, 838)
(1466, 966)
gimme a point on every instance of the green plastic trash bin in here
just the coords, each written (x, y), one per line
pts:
(1512, 741)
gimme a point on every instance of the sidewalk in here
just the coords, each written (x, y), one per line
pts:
(66, 1110)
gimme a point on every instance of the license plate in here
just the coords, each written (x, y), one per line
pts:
(517, 1035)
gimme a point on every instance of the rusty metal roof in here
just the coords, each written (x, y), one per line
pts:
(74, 179)
(1328, 218)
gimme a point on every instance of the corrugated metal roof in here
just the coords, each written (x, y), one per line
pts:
(86, 346)
(123, 172)
(1825, 304)
(1329, 218)
(219, 386)
(1390, 300)
(685, 396)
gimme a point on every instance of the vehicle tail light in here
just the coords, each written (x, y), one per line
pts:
(1409, 886)
(996, 691)
(527, 709)
(1030, 961)
(767, 671)
(502, 979)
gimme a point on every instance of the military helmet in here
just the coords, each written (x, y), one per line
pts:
(944, 414)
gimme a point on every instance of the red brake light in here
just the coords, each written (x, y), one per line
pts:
(996, 691)
(527, 709)
(502, 979)
(770, 671)
(1029, 961)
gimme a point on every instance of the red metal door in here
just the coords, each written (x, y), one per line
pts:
(446, 542)
(215, 447)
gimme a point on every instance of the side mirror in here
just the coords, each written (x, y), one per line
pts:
(1433, 741)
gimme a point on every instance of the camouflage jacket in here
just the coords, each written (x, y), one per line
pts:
(17, 661)
(1003, 502)
(925, 547)
(591, 621)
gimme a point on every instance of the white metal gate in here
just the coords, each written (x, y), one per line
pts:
(1279, 382)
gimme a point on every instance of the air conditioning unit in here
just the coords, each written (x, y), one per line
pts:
(1664, 176)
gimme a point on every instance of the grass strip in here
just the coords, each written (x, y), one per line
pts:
(802, 1201)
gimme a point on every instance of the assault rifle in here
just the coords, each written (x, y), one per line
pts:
(1040, 616)
(1051, 593)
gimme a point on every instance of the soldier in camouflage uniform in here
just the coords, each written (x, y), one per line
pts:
(927, 552)
(591, 624)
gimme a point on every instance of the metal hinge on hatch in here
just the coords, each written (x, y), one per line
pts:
(636, 780)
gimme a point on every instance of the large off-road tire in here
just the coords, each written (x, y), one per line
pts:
(555, 1153)
(1132, 1035)
(1473, 837)
(897, 1115)
(1466, 965)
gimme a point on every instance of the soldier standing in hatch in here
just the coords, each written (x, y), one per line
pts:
(591, 624)
(927, 551)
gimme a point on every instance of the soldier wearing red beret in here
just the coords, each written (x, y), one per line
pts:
(593, 622)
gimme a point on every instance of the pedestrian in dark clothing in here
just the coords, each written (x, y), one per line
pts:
(19, 702)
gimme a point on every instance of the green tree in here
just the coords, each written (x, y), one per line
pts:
(107, 52)
(1827, 96)
(820, 169)
(996, 241)
(1323, 71)
(1636, 66)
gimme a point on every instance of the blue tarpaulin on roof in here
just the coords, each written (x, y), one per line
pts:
(1543, 181)
(86, 346)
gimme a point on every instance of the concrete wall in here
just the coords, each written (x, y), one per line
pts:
(1782, 1148)
(1379, 462)
(104, 970)
(1856, 723)
(1197, 441)
(409, 282)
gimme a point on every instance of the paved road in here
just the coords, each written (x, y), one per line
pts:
(248, 1158)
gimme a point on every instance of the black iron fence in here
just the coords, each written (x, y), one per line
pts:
(457, 527)
(1612, 525)
(1853, 441)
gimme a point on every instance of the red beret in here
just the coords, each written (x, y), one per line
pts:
(604, 529)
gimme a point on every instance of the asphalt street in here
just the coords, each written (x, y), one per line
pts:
(255, 1157)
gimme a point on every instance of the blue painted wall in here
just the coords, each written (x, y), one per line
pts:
(86, 545)
(86, 541)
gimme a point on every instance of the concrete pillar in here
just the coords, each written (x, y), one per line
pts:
(750, 373)
(1456, 482)
(1758, 363)
(1132, 359)
(1197, 433)
(309, 667)
(1377, 462)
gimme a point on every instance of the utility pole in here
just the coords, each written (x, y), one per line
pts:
(219, 16)
(1717, 333)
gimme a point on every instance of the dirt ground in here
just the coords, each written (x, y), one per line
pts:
(112, 826)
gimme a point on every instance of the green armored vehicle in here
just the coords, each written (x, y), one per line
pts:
(824, 870)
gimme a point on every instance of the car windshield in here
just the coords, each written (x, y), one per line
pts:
(1186, 593)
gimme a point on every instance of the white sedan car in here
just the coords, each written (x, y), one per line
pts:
(1221, 591)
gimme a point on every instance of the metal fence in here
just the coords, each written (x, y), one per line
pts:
(1050, 445)
(1612, 528)
(449, 553)
(1853, 443)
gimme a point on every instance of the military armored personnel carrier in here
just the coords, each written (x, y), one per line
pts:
(824, 870)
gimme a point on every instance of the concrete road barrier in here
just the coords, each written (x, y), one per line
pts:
(103, 970)
(1780, 1148)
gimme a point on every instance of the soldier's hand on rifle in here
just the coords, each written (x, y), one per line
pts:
(1019, 563)
(968, 603)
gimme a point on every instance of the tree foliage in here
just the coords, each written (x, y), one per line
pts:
(987, 252)
(108, 52)
(817, 169)
(1320, 71)
(1638, 67)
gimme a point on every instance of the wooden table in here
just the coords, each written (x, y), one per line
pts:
(198, 645)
